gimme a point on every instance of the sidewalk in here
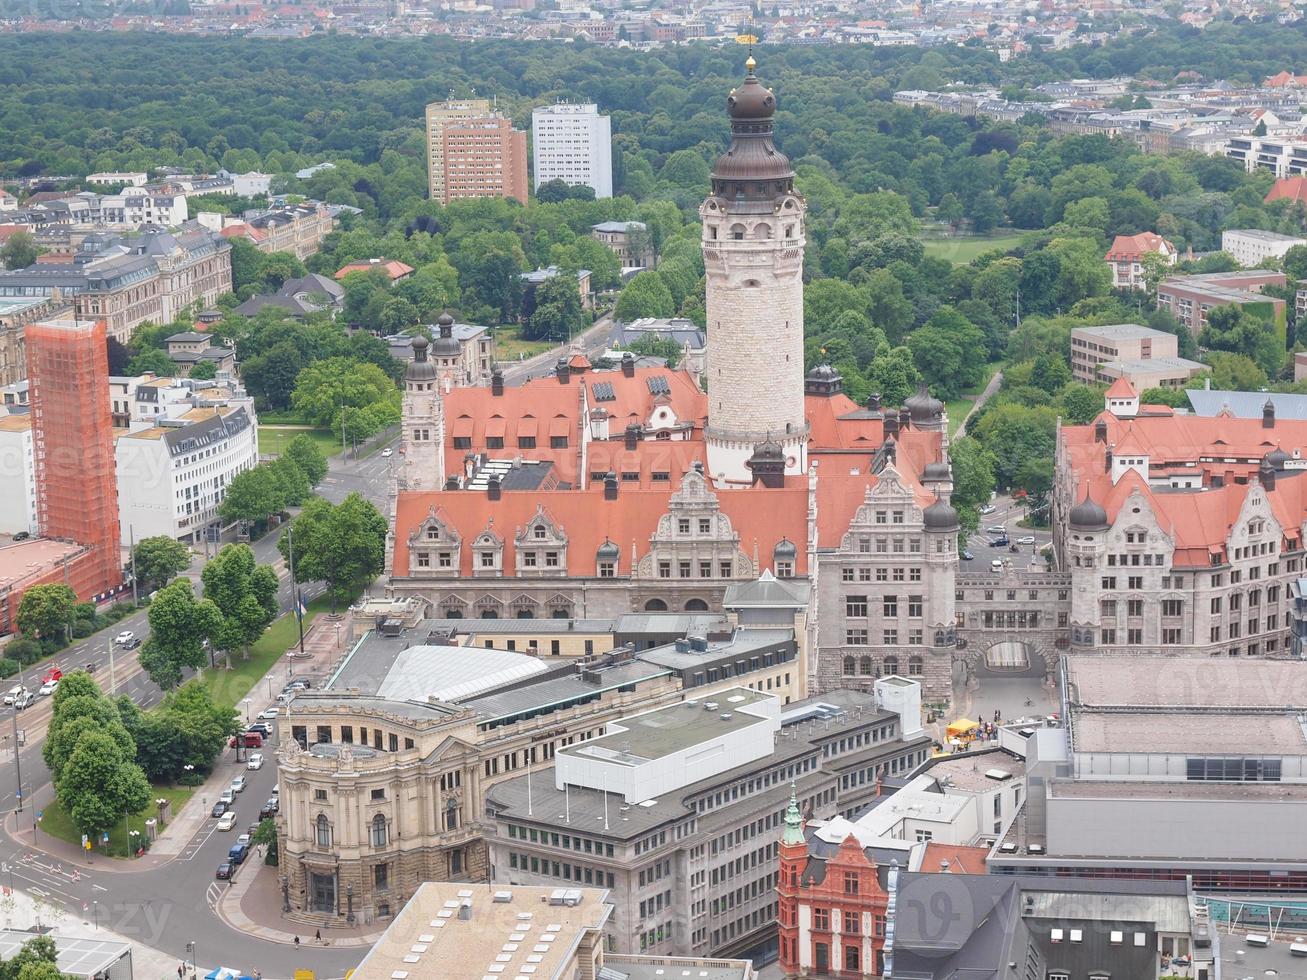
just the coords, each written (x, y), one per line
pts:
(252, 904)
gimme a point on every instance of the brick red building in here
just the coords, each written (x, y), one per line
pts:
(831, 914)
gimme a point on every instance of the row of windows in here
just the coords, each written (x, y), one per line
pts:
(896, 574)
(868, 667)
(739, 896)
(959, 595)
(855, 606)
(381, 741)
(572, 842)
(557, 869)
(888, 637)
(744, 925)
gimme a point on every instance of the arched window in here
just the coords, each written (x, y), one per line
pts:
(737, 232)
(489, 614)
(891, 664)
(323, 831)
(655, 605)
(850, 665)
(916, 667)
(525, 614)
(379, 831)
(695, 605)
(865, 667)
(939, 638)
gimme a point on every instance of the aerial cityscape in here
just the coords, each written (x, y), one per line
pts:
(544, 488)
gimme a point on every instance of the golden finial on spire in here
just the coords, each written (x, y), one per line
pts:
(751, 64)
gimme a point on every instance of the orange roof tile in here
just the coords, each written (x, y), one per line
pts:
(1126, 248)
(962, 860)
(588, 520)
(1288, 188)
(1121, 388)
(392, 267)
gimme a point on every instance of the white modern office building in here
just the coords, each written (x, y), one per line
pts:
(573, 142)
(1249, 246)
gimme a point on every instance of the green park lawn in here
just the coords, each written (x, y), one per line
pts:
(961, 249)
(229, 687)
(509, 345)
(57, 823)
(273, 439)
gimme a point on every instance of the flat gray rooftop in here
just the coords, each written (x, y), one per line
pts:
(966, 772)
(75, 957)
(1187, 682)
(1200, 734)
(1104, 789)
(672, 729)
(1118, 331)
(1240, 960)
(742, 643)
(561, 686)
(668, 968)
(307, 701)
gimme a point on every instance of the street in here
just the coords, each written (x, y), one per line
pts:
(591, 342)
(166, 906)
(1006, 514)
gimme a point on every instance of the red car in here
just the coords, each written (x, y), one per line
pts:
(251, 740)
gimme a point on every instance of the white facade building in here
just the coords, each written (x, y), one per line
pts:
(574, 143)
(126, 178)
(17, 475)
(1249, 246)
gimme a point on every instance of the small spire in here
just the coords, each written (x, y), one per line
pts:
(750, 64)
(793, 820)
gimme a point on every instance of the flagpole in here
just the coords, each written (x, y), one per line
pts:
(567, 801)
(605, 809)
(530, 809)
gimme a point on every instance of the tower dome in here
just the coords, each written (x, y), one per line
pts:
(823, 380)
(608, 551)
(940, 516)
(1278, 458)
(445, 345)
(1088, 515)
(938, 470)
(752, 167)
(420, 369)
(785, 550)
(922, 407)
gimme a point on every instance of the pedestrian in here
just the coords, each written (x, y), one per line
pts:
(181, 969)
(297, 942)
(317, 937)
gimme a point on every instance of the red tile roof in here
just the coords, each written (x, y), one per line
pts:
(1288, 188)
(1128, 248)
(962, 860)
(588, 520)
(1121, 388)
(393, 268)
(1199, 522)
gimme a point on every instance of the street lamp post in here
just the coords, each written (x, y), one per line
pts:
(349, 899)
(95, 913)
(246, 702)
(190, 951)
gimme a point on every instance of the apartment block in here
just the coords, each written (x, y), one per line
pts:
(438, 115)
(1282, 157)
(1092, 346)
(484, 156)
(573, 143)
(1251, 246)
(689, 851)
(1189, 298)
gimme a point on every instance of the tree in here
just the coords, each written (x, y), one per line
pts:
(645, 295)
(945, 352)
(1013, 434)
(152, 361)
(294, 485)
(159, 559)
(308, 457)
(203, 371)
(324, 387)
(341, 545)
(253, 496)
(1080, 403)
(46, 611)
(245, 594)
(179, 625)
(893, 374)
(1232, 328)
(187, 728)
(1050, 373)
(557, 311)
(949, 210)
(100, 783)
(1155, 268)
(271, 375)
(19, 251)
(973, 473)
(1294, 262)
(34, 961)
(73, 718)
(985, 212)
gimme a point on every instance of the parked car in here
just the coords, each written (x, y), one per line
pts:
(268, 714)
(1028, 539)
(125, 637)
(987, 509)
(228, 796)
(250, 740)
(219, 809)
(262, 728)
(237, 854)
(22, 535)
(268, 810)
(255, 761)
(996, 565)
(238, 784)
(243, 839)
(227, 821)
(966, 555)
(224, 871)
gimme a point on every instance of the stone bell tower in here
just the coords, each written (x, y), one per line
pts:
(422, 424)
(753, 255)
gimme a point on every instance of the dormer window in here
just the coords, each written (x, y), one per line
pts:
(538, 531)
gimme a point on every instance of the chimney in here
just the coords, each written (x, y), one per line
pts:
(891, 427)
(563, 371)
(1100, 431)
(873, 402)
(905, 418)
(492, 487)
(1268, 414)
(497, 383)
(610, 485)
(632, 436)
(1107, 460)
(1266, 475)
(628, 365)
(452, 482)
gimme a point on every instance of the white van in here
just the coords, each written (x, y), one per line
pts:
(996, 565)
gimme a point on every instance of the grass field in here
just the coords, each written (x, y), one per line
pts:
(273, 440)
(964, 248)
(958, 407)
(509, 345)
(229, 687)
(57, 823)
